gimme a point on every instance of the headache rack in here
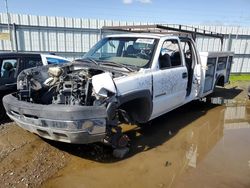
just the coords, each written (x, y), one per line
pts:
(181, 30)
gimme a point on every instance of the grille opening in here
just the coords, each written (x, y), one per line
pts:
(30, 116)
(43, 132)
(60, 135)
(15, 112)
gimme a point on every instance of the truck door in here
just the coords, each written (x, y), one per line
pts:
(8, 75)
(170, 80)
(193, 67)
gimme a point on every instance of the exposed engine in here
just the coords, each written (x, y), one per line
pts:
(72, 89)
(60, 85)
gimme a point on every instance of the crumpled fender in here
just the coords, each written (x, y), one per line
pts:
(103, 83)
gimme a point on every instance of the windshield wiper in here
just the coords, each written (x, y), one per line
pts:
(117, 65)
(91, 60)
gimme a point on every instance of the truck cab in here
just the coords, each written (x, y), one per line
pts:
(169, 70)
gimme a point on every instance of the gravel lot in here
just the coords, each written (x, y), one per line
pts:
(158, 155)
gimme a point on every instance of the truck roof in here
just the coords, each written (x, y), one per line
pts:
(163, 30)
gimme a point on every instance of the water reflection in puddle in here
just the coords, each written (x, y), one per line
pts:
(209, 146)
(222, 159)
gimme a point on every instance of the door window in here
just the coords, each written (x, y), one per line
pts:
(170, 55)
(8, 68)
(30, 62)
(222, 63)
(189, 51)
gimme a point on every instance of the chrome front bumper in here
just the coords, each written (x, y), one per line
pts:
(71, 124)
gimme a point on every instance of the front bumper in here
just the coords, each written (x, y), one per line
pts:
(71, 124)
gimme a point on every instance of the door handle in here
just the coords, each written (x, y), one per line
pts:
(184, 75)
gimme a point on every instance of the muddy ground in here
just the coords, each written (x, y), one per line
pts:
(202, 144)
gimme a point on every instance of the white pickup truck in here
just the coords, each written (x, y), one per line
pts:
(130, 78)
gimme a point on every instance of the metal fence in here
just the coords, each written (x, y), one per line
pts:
(72, 37)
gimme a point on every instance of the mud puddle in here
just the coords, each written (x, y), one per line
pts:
(202, 144)
(198, 145)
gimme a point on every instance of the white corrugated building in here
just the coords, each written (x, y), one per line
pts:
(72, 37)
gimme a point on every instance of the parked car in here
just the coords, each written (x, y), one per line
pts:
(124, 78)
(12, 64)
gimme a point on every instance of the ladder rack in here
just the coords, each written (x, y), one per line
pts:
(166, 29)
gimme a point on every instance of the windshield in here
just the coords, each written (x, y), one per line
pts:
(128, 51)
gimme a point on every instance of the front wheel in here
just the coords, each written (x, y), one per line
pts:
(120, 142)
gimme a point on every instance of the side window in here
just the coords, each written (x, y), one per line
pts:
(189, 50)
(170, 55)
(31, 62)
(52, 60)
(222, 63)
(8, 68)
(188, 53)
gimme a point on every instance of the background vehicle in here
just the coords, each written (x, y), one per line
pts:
(125, 78)
(12, 64)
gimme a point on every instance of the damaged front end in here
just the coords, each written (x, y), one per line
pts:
(69, 103)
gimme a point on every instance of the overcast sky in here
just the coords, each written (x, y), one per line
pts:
(227, 12)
